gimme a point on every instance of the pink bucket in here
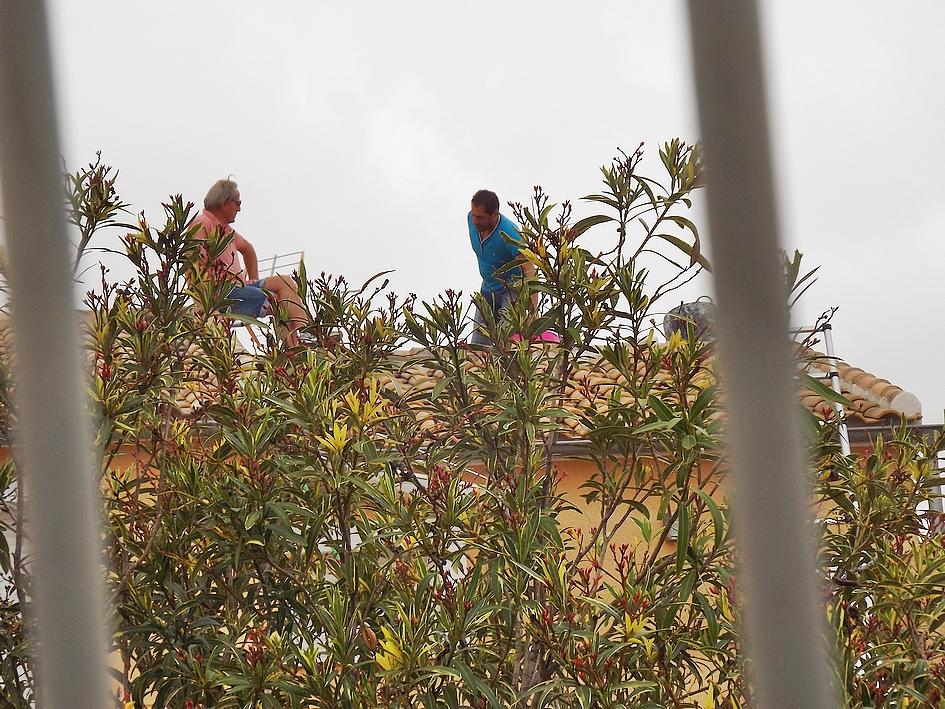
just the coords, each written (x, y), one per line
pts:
(546, 336)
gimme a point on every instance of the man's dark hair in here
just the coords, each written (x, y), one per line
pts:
(486, 199)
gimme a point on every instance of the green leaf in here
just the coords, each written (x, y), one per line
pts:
(684, 222)
(718, 522)
(602, 199)
(682, 537)
(4, 553)
(694, 254)
(660, 408)
(252, 518)
(657, 426)
(706, 397)
(440, 386)
(824, 391)
(646, 529)
(711, 619)
(685, 589)
(584, 224)
(476, 684)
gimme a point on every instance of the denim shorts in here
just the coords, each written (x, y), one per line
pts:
(252, 300)
(498, 301)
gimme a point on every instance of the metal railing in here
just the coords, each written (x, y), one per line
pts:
(784, 632)
(280, 262)
(834, 376)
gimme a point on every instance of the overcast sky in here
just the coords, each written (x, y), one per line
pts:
(358, 131)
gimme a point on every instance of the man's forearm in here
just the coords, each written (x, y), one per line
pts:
(250, 262)
(528, 272)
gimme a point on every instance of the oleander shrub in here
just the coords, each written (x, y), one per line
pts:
(309, 531)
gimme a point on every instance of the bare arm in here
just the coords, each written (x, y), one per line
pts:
(250, 262)
(528, 271)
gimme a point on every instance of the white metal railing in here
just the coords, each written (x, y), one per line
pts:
(280, 262)
(835, 384)
(834, 376)
(270, 266)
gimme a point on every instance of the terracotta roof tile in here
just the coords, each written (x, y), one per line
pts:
(593, 386)
(875, 400)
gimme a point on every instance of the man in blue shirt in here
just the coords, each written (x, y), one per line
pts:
(486, 227)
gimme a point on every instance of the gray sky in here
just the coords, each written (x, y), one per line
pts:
(358, 131)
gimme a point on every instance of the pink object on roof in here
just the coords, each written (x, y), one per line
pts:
(546, 336)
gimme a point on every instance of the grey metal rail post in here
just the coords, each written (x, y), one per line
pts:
(54, 433)
(784, 631)
(835, 385)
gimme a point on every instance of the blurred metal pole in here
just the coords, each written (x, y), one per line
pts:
(54, 425)
(784, 628)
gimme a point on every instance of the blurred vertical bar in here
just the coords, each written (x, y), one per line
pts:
(784, 631)
(53, 436)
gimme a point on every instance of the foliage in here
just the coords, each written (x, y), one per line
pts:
(92, 203)
(317, 528)
(884, 554)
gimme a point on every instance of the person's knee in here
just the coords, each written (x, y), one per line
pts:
(280, 284)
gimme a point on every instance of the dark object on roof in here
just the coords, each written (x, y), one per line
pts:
(701, 315)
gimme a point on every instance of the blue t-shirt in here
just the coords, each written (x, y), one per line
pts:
(495, 252)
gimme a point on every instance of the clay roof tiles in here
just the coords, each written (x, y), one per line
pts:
(874, 401)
